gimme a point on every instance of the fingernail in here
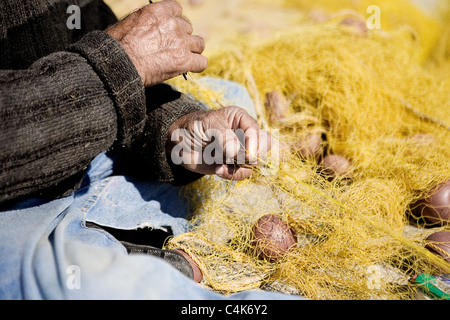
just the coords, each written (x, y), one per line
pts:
(231, 149)
(220, 171)
(252, 157)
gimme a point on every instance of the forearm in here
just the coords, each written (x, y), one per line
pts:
(57, 115)
(147, 157)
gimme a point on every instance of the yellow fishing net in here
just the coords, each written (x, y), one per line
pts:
(381, 99)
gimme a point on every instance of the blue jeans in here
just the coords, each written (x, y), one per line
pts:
(48, 252)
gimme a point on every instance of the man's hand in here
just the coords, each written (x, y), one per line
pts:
(159, 42)
(227, 142)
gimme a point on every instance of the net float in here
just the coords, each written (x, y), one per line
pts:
(356, 25)
(198, 275)
(272, 238)
(435, 208)
(309, 146)
(276, 106)
(439, 243)
(336, 165)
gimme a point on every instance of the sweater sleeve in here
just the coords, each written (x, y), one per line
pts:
(120, 78)
(62, 111)
(144, 131)
(146, 157)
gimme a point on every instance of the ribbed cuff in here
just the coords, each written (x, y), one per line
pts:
(168, 105)
(121, 79)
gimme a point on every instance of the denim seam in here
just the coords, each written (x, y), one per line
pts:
(92, 200)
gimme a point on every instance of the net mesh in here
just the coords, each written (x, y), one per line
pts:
(378, 98)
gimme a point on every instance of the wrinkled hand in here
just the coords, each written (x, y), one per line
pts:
(227, 142)
(159, 42)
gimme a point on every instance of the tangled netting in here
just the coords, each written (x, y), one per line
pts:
(377, 98)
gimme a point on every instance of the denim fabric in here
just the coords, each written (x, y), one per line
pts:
(48, 252)
(232, 93)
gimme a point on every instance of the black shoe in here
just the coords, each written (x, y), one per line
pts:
(147, 241)
(174, 258)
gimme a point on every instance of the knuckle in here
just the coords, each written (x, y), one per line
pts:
(238, 110)
(177, 5)
(171, 23)
(171, 6)
(201, 43)
(204, 62)
(160, 8)
(153, 8)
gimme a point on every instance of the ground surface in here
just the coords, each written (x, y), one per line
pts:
(217, 20)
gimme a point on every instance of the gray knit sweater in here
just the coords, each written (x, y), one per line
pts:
(68, 95)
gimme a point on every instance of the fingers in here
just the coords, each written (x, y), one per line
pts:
(241, 172)
(170, 6)
(231, 172)
(173, 6)
(251, 145)
(231, 145)
(169, 10)
(196, 44)
(264, 143)
(226, 142)
(254, 146)
(198, 63)
(256, 142)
